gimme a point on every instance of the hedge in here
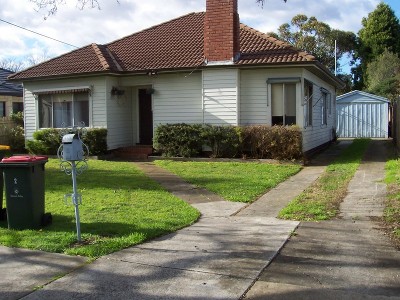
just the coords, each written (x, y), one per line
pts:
(187, 140)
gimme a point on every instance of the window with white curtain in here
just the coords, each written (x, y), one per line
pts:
(283, 103)
(63, 110)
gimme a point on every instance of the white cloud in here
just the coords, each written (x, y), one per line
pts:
(114, 20)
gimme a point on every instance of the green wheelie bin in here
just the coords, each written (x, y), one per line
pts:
(3, 214)
(24, 189)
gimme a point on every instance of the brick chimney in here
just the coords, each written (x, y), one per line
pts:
(221, 31)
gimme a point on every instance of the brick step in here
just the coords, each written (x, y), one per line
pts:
(134, 152)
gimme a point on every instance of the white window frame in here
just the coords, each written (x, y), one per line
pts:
(324, 109)
(308, 103)
(72, 96)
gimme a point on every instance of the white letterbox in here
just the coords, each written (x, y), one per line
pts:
(72, 147)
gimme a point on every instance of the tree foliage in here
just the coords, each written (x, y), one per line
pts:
(318, 39)
(383, 75)
(15, 65)
(380, 31)
(263, 1)
(12, 64)
(52, 5)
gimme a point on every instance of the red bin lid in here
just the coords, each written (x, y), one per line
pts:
(24, 158)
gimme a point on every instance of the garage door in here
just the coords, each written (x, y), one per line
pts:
(368, 120)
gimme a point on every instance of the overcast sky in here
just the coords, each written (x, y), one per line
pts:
(114, 20)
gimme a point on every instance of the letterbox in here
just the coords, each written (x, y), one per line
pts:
(72, 147)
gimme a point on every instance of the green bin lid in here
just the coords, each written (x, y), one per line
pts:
(23, 158)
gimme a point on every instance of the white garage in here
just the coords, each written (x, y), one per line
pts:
(362, 115)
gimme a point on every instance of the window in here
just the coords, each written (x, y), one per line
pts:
(283, 103)
(324, 109)
(308, 102)
(2, 109)
(17, 107)
(62, 110)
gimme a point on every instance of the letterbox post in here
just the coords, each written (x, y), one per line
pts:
(72, 154)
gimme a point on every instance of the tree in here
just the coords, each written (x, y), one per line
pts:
(12, 64)
(52, 5)
(380, 31)
(383, 75)
(263, 1)
(15, 65)
(318, 39)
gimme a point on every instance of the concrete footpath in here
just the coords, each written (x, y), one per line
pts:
(223, 256)
(346, 258)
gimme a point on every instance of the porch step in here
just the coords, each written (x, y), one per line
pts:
(134, 152)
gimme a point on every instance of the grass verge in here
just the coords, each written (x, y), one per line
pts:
(321, 201)
(234, 181)
(391, 214)
(121, 207)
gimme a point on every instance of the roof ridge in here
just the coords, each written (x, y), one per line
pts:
(274, 40)
(103, 61)
(119, 68)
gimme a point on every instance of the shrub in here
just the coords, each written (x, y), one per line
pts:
(47, 141)
(16, 139)
(276, 142)
(181, 139)
(96, 140)
(18, 118)
(12, 135)
(224, 141)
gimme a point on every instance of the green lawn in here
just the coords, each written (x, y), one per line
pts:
(321, 201)
(234, 181)
(121, 207)
(392, 210)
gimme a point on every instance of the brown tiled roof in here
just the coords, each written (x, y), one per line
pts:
(175, 44)
(259, 48)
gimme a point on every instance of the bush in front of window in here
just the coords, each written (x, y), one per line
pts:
(18, 118)
(47, 141)
(178, 140)
(272, 142)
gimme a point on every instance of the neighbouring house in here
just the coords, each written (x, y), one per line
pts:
(362, 115)
(202, 67)
(11, 93)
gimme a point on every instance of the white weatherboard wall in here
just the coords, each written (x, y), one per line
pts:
(363, 115)
(255, 96)
(221, 96)
(319, 134)
(176, 98)
(119, 115)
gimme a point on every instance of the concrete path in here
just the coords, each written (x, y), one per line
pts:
(22, 271)
(347, 258)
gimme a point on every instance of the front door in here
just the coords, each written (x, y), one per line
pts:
(145, 118)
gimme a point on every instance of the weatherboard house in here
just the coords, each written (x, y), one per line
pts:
(202, 67)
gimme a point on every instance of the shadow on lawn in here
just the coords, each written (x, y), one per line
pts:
(65, 225)
(95, 178)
